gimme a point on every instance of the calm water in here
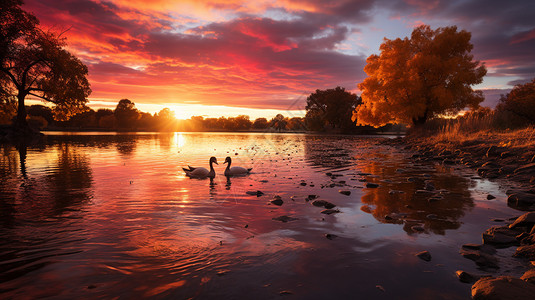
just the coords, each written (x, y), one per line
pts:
(113, 216)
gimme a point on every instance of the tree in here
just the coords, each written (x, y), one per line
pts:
(260, 123)
(126, 114)
(279, 122)
(242, 122)
(166, 120)
(296, 124)
(334, 106)
(415, 79)
(34, 63)
(41, 111)
(8, 109)
(520, 101)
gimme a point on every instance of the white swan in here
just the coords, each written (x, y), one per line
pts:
(235, 171)
(201, 173)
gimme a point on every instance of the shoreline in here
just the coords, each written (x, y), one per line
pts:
(509, 159)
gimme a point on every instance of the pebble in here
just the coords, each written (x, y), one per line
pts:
(417, 228)
(330, 236)
(255, 193)
(284, 219)
(344, 192)
(425, 255)
(277, 200)
(329, 211)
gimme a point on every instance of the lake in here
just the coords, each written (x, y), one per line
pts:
(105, 215)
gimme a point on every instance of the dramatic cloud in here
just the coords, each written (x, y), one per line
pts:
(267, 54)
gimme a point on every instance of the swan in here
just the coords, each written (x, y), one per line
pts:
(235, 171)
(201, 173)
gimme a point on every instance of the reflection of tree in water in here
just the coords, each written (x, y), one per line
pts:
(125, 144)
(165, 140)
(9, 183)
(329, 151)
(32, 194)
(70, 182)
(411, 208)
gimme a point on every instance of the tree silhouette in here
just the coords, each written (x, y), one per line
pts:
(279, 122)
(126, 114)
(34, 63)
(520, 101)
(416, 78)
(333, 107)
(260, 123)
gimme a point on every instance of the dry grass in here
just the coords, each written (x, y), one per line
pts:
(477, 128)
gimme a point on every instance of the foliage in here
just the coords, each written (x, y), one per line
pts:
(296, 124)
(417, 78)
(333, 107)
(165, 120)
(34, 63)
(41, 111)
(520, 102)
(126, 114)
(8, 109)
(260, 123)
(279, 122)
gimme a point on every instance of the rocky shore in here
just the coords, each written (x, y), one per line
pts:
(513, 163)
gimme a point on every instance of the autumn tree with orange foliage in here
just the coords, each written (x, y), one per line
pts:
(520, 101)
(417, 78)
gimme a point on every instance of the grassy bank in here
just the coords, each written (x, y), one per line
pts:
(479, 144)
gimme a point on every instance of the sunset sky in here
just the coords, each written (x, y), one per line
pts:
(230, 57)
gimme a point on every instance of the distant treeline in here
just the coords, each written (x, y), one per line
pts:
(125, 117)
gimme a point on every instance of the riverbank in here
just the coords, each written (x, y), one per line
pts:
(508, 156)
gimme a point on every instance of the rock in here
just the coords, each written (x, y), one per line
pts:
(329, 211)
(525, 220)
(282, 293)
(529, 276)
(425, 255)
(277, 200)
(481, 247)
(312, 197)
(527, 251)
(254, 193)
(502, 288)
(521, 199)
(466, 277)
(344, 192)
(434, 199)
(331, 236)
(303, 183)
(481, 258)
(284, 219)
(424, 192)
(319, 203)
(417, 228)
(372, 185)
(323, 203)
(503, 236)
(490, 197)
(429, 186)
